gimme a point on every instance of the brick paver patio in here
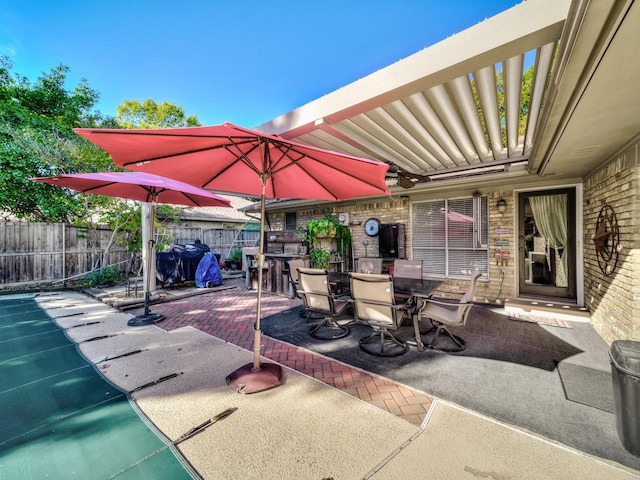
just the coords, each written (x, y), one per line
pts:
(230, 314)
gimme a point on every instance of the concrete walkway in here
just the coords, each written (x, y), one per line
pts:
(327, 421)
(229, 314)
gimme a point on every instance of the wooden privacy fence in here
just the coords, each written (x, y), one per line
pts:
(48, 252)
(219, 240)
(37, 252)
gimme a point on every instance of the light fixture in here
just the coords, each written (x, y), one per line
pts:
(501, 205)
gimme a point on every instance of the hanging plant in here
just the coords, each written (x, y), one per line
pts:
(325, 227)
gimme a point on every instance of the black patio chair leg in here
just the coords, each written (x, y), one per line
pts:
(460, 343)
(328, 323)
(386, 342)
(311, 316)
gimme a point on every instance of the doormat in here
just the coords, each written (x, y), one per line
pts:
(550, 320)
(587, 386)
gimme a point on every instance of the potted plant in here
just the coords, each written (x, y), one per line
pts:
(236, 259)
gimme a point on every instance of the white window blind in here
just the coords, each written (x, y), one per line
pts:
(451, 236)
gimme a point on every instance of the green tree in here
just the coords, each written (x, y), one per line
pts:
(36, 139)
(150, 114)
(525, 100)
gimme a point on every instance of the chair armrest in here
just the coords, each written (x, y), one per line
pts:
(454, 302)
(446, 292)
(382, 304)
(444, 303)
(323, 294)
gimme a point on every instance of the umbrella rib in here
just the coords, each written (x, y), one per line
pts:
(240, 154)
(108, 184)
(141, 161)
(151, 192)
(191, 199)
(88, 190)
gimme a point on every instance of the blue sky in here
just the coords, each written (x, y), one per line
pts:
(244, 62)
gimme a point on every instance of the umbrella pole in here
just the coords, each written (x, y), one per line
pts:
(147, 257)
(256, 377)
(257, 339)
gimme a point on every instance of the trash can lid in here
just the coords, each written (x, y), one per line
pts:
(625, 355)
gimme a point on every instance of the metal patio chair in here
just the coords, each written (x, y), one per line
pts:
(374, 303)
(407, 268)
(294, 283)
(316, 295)
(444, 314)
(293, 274)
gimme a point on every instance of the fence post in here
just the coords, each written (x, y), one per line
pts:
(64, 254)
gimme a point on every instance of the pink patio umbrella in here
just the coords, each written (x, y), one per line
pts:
(143, 187)
(228, 158)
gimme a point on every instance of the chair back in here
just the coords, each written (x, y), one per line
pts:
(369, 265)
(407, 268)
(373, 299)
(468, 295)
(313, 287)
(293, 273)
(452, 313)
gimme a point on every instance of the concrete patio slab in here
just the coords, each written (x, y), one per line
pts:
(305, 428)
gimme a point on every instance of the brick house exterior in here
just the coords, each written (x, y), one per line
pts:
(614, 300)
(583, 137)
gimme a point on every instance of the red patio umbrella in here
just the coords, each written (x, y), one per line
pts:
(228, 158)
(143, 187)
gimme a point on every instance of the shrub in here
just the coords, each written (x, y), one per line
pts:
(102, 277)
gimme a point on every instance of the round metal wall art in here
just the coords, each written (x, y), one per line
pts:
(607, 240)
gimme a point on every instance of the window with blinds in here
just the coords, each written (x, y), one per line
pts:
(450, 236)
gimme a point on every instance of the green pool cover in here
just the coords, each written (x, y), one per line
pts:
(60, 418)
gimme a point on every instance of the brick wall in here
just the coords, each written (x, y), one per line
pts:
(398, 211)
(498, 286)
(614, 300)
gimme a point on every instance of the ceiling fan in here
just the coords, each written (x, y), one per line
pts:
(406, 179)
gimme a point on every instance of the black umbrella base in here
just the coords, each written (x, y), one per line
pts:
(142, 320)
(247, 380)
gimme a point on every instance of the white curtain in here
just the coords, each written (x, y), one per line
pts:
(550, 216)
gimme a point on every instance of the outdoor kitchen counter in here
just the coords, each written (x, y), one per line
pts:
(275, 274)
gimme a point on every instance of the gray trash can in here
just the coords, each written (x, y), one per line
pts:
(625, 372)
